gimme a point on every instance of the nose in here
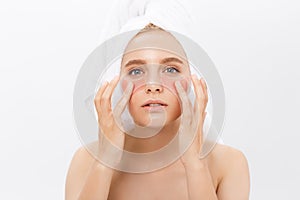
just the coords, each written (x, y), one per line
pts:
(153, 88)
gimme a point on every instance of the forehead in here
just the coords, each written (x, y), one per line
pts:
(154, 45)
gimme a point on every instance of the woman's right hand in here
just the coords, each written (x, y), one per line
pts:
(110, 134)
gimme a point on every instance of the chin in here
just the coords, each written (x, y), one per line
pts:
(158, 121)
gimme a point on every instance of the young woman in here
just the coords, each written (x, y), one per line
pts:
(222, 174)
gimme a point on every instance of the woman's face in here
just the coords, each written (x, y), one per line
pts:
(153, 61)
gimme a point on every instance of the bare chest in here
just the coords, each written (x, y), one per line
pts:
(148, 186)
(170, 183)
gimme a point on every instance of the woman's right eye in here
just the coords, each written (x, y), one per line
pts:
(135, 72)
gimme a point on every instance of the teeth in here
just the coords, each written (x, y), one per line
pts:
(154, 104)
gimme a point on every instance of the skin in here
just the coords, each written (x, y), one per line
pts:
(223, 174)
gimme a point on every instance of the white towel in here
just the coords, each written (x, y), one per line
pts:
(171, 15)
(128, 15)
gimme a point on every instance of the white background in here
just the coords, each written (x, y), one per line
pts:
(254, 44)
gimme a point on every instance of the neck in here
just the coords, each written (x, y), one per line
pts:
(153, 143)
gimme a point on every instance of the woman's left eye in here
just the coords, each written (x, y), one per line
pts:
(171, 70)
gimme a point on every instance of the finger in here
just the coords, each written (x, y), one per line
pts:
(200, 94)
(205, 93)
(106, 97)
(205, 90)
(200, 103)
(98, 96)
(204, 83)
(197, 103)
(121, 105)
(185, 103)
(196, 86)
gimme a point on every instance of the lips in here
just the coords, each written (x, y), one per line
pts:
(152, 103)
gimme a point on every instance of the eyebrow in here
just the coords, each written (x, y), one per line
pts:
(142, 62)
(135, 62)
(171, 59)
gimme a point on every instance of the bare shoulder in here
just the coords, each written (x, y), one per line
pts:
(78, 170)
(225, 158)
(224, 153)
(231, 166)
(83, 156)
(81, 162)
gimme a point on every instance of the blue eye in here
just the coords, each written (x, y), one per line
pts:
(135, 72)
(171, 70)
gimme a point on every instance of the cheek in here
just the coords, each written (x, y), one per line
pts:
(170, 84)
(124, 84)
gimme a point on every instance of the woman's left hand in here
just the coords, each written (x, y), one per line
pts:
(193, 119)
